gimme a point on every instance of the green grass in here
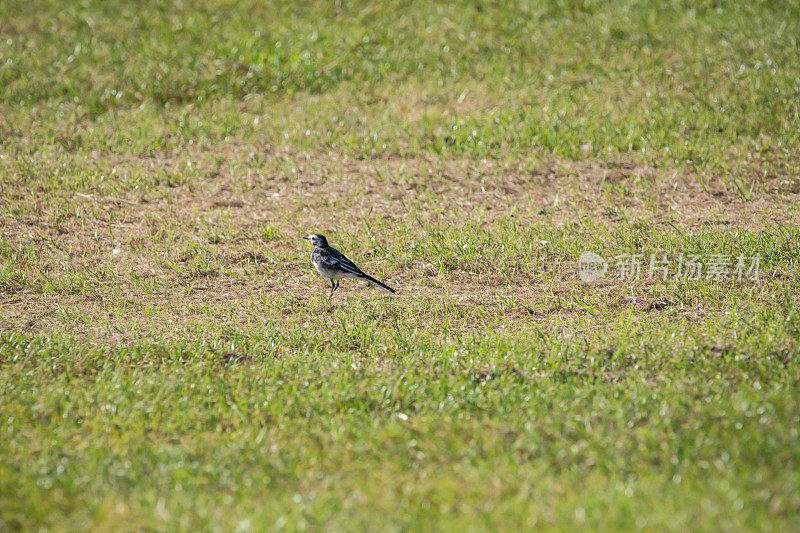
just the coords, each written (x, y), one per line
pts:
(169, 362)
(703, 84)
(347, 427)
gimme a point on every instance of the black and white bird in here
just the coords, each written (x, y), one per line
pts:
(333, 265)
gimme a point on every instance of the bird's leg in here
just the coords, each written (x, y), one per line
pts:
(333, 288)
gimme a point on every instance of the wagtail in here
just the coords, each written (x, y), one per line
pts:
(333, 265)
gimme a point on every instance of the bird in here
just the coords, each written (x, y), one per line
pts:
(333, 265)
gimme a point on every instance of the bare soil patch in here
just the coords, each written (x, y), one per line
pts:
(223, 247)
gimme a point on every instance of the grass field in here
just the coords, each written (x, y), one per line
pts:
(169, 360)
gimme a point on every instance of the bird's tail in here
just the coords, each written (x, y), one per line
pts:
(378, 284)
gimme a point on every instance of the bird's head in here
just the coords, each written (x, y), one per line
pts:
(319, 241)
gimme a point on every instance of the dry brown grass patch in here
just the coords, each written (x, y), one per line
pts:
(218, 245)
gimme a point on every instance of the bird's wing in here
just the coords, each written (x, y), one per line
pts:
(344, 263)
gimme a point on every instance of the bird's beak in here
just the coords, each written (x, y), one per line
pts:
(306, 238)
